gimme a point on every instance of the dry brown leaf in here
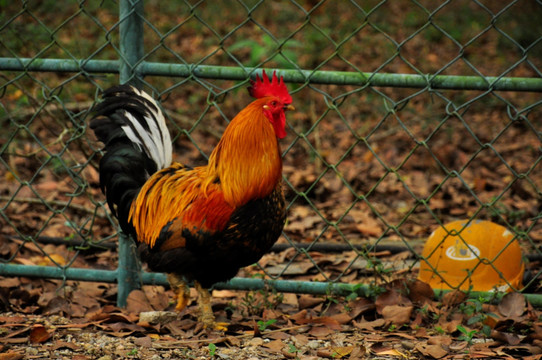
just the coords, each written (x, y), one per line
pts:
(505, 337)
(360, 306)
(323, 320)
(275, 345)
(39, 334)
(321, 332)
(512, 305)
(342, 318)
(80, 357)
(435, 351)
(453, 298)
(301, 315)
(277, 335)
(137, 302)
(12, 319)
(450, 325)
(420, 293)
(340, 352)
(389, 298)
(300, 340)
(11, 355)
(370, 325)
(391, 352)
(308, 301)
(157, 296)
(10, 282)
(83, 298)
(491, 321)
(397, 314)
(290, 299)
(440, 340)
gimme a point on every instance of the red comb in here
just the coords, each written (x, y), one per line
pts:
(263, 87)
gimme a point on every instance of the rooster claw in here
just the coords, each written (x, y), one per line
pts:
(213, 325)
(181, 290)
(220, 326)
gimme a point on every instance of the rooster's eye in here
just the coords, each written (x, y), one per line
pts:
(274, 103)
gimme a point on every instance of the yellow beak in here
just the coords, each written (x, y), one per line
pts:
(289, 107)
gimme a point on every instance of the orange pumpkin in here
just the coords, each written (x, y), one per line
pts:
(476, 255)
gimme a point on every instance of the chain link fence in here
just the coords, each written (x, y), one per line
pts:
(410, 115)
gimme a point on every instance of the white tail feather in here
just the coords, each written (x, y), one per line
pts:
(156, 141)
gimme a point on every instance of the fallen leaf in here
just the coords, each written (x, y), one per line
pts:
(308, 301)
(321, 331)
(39, 334)
(435, 351)
(80, 357)
(10, 282)
(299, 316)
(360, 306)
(397, 314)
(328, 321)
(440, 340)
(275, 345)
(342, 318)
(11, 355)
(290, 299)
(120, 326)
(370, 325)
(512, 305)
(391, 352)
(453, 298)
(505, 337)
(420, 293)
(450, 325)
(342, 351)
(390, 298)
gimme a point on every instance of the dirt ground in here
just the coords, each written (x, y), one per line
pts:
(363, 165)
(41, 319)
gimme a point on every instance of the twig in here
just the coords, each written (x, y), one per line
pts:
(222, 339)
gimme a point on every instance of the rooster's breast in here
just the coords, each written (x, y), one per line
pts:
(214, 257)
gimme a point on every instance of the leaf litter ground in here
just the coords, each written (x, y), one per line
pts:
(400, 319)
(42, 319)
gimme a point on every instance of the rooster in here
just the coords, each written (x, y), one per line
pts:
(198, 224)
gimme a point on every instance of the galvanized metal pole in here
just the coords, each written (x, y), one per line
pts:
(131, 40)
(131, 52)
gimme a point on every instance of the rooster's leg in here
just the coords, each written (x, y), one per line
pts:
(207, 318)
(181, 289)
(204, 301)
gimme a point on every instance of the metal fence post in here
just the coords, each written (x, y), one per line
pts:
(131, 52)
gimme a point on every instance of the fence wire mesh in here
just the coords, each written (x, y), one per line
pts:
(410, 115)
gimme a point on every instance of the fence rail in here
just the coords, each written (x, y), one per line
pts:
(419, 115)
(417, 81)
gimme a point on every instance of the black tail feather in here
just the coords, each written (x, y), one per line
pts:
(137, 144)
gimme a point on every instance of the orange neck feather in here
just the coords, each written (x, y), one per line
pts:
(247, 159)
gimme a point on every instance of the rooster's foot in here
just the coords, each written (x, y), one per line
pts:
(181, 289)
(207, 318)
